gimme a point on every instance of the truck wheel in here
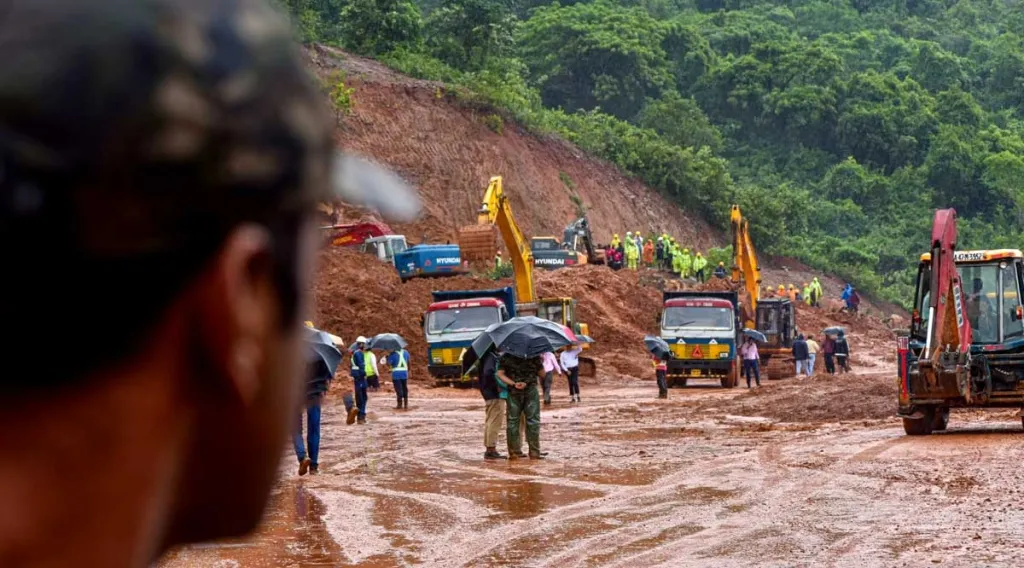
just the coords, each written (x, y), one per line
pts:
(920, 426)
(941, 420)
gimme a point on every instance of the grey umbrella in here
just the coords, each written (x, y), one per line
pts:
(387, 342)
(323, 348)
(835, 330)
(657, 346)
(757, 335)
(525, 337)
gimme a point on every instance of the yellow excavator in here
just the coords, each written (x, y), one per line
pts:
(478, 242)
(774, 317)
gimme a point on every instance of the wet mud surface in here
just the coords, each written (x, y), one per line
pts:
(698, 480)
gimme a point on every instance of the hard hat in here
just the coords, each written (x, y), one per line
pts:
(699, 254)
(309, 323)
(661, 239)
(791, 286)
(721, 264)
(616, 235)
(360, 339)
(686, 250)
(629, 233)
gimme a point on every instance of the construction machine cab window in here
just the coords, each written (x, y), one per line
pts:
(463, 319)
(698, 318)
(990, 300)
(553, 312)
(544, 243)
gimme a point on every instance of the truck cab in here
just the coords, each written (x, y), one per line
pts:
(385, 247)
(701, 329)
(454, 320)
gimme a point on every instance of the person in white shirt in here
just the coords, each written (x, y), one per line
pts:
(570, 360)
(550, 369)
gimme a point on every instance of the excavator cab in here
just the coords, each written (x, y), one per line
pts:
(563, 311)
(776, 320)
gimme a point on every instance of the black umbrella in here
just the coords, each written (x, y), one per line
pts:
(388, 342)
(658, 347)
(525, 337)
(324, 350)
(835, 330)
(479, 347)
(757, 335)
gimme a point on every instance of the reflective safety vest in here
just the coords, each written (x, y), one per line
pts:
(401, 370)
(368, 364)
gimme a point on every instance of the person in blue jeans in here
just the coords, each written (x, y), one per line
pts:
(751, 361)
(308, 463)
(398, 362)
(359, 384)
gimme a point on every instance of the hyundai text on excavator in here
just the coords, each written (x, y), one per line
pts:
(455, 318)
(576, 249)
(774, 317)
(965, 347)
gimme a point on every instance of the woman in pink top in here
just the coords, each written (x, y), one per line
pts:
(751, 361)
(550, 369)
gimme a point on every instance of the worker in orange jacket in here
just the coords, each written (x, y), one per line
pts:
(649, 253)
(792, 293)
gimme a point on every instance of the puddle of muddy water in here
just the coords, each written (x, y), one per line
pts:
(505, 498)
(291, 534)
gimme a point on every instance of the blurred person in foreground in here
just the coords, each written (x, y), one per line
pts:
(160, 166)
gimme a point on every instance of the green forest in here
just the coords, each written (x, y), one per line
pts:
(838, 125)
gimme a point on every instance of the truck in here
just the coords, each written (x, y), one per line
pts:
(703, 331)
(965, 345)
(429, 260)
(453, 320)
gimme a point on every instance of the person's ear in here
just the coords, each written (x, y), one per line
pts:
(239, 310)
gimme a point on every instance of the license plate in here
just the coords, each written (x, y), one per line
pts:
(694, 372)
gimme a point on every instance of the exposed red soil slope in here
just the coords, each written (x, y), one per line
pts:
(448, 153)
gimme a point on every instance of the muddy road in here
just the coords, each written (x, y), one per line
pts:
(710, 477)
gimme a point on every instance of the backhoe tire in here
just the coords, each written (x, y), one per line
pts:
(941, 420)
(920, 426)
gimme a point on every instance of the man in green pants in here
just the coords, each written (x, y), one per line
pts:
(521, 376)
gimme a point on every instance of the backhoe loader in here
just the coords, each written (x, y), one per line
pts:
(774, 317)
(965, 346)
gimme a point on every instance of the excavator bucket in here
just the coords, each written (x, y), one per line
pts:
(588, 367)
(478, 242)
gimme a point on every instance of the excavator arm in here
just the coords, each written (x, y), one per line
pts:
(744, 265)
(497, 210)
(948, 340)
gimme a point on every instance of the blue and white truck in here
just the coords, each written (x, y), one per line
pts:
(454, 320)
(702, 330)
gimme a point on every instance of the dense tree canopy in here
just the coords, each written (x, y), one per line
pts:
(839, 125)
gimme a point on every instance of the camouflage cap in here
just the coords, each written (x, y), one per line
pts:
(136, 126)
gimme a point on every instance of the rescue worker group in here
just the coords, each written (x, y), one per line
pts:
(666, 254)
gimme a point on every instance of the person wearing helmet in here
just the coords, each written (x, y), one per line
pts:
(807, 293)
(639, 240)
(615, 241)
(792, 293)
(686, 264)
(782, 291)
(720, 271)
(648, 254)
(632, 252)
(700, 265)
(361, 357)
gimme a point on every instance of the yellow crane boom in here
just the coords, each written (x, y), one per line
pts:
(496, 211)
(744, 265)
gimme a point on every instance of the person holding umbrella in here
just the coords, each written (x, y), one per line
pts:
(318, 381)
(520, 376)
(398, 362)
(751, 360)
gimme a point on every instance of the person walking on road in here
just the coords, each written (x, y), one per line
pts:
(520, 377)
(494, 404)
(317, 383)
(700, 265)
(358, 372)
(660, 370)
(570, 360)
(843, 353)
(812, 353)
(551, 368)
(398, 362)
(751, 361)
(800, 354)
(828, 347)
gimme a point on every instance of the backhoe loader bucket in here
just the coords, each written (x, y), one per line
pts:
(478, 242)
